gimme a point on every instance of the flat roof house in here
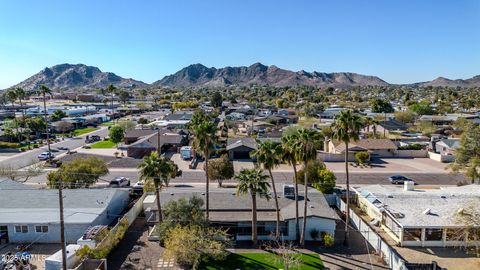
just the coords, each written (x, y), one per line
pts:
(235, 212)
(32, 215)
(422, 217)
(376, 147)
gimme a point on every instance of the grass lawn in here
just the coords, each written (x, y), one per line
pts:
(81, 131)
(308, 121)
(103, 144)
(107, 124)
(244, 261)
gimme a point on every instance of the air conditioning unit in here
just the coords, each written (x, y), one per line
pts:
(288, 191)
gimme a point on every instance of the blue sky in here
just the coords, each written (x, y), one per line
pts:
(399, 41)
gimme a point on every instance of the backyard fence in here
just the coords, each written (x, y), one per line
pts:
(388, 254)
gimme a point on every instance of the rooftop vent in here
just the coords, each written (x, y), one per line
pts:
(289, 191)
(427, 211)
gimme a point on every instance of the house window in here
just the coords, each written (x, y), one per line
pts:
(41, 229)
(21, 228)
(412, 234)
(433, 234)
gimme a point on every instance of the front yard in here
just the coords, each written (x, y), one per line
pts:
(103, 144)
(82, 131)
(307, 261)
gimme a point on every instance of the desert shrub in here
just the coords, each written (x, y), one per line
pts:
(362, 157)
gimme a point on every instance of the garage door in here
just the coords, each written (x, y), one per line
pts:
(241, 155)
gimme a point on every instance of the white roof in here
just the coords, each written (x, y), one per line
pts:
(444, 203)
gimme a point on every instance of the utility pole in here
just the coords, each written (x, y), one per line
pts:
(159, 149)
(62, 227)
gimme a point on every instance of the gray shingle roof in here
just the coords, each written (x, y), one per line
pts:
(237, 142)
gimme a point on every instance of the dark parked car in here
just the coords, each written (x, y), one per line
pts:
(399, 179)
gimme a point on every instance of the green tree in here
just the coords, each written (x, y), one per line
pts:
(35, 124)
(216, 100)
(381, 106)
(58, 115)
(116, 134)
(190, 245)
(347, 128)
(362, 157)
(12, 96)
(267, 155)
(78, 173)
(158, 170)
(467, 156)
(326, 181)
(307, 143)
(405, 117)
(124, 96)
(421, 109)
(253, 182)
(204, 139)
(126, 125)
(221, 169)
(181, 212)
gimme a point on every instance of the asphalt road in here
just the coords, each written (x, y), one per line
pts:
(30, 157)
(356, 178)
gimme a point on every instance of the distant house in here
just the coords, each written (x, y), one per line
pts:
(180, 115)
(32, 216)
(385, 127)
(148, 144)
(234, 213)
(376, 147)
(134, 135)
(446, 146)
(240, 148)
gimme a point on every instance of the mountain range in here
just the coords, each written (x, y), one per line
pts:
(79, 76)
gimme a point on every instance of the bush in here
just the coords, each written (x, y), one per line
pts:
(362, 157)
(415, 146)
(328, 240)
(4, 145)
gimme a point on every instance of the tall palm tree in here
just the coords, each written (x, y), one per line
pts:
(111, 90)
(347, 128)
(21, 96)
(268, 155)
(289, 155)
(204, 140)
(306, 144)
(374, 123)
(12, 96)
(44, 91)
(158, 170)
(254, 182)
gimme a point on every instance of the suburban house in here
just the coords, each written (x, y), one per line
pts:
(385, 127)
(150, 143)
(134, 135)
(376, 147)
(240, 148)
(422, 217)
(32, 215)
(180, 115)
(445, 146)
(235, 213)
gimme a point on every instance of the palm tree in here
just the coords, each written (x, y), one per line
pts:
(111, 90)
(306, 145)
(12, 96)
(374, 123)
(158, 170)
(44, 91)
(21, 95)
(268, 155)
(204, 140)
(254, 182)
(347, 128)
(289, 155)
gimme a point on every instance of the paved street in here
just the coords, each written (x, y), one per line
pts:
(27, 158)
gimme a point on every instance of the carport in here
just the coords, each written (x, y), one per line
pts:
(240, 148)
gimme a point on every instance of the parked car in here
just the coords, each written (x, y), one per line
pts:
(137, 189)
(399, 179)
(92, 139)
(45, 156)
(120, 182)
(62, 148)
